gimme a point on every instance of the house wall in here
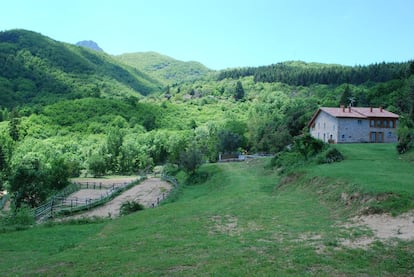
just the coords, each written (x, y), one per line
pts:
(325, 128)
(352, 130)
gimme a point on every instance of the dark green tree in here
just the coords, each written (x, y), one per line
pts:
(228, 141)
(345, 96)
(191, 159)
(59, 174)
(29, 184)
(239, 91)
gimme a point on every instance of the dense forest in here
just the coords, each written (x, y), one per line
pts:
(67, 111)
(37, 69)
(306, 74)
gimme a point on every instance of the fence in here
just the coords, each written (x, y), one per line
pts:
(61, 204)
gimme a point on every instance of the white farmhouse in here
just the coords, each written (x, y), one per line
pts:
(353, 124)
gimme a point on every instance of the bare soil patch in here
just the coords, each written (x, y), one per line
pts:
(384, 226)
(147, 193)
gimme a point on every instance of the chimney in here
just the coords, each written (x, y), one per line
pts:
(370, 109)
(380, 109)
(343, 108)
(349, 108)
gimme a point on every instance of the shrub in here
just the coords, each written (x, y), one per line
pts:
(22, 216)
(331, 155)
(129, 207)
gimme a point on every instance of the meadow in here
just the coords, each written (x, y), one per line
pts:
(239, 219)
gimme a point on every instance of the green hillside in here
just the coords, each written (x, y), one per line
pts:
(37, 69)
(240, 220)
(164, 68)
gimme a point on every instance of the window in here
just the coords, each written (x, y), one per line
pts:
(392, 124)
(359, 122)
(385, 123)
(372, 123)
(378, 125)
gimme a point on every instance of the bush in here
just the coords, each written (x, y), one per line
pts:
(129, 207)
(22, 216)
(331, 155)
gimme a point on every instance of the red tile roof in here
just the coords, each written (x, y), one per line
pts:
(354, 112)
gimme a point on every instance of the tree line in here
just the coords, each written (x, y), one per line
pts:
(306, 74)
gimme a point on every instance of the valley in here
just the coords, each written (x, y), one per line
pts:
(306, 209)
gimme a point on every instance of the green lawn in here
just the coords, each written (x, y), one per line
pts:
(235, 223)
(376, 168)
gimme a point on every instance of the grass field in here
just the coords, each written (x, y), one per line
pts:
(237, 222)
(374, 169)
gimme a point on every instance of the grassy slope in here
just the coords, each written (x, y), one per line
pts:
(375, 170)
(376, 167)
(164, 68)
(235, 223)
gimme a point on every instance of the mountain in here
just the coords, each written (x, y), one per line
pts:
(38, 69)
(90, 44)
(166, 69)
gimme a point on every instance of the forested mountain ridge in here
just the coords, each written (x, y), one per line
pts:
(166, 69)
(38, 69)
(300, 73)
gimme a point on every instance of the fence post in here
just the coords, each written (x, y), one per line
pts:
(51, 207)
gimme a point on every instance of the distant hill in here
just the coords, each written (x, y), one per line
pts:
(164, 68)
(90, 44)
(38, 69)
(298, 73)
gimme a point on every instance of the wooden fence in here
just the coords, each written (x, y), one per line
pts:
(60, 204)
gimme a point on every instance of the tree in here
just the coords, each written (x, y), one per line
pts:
(113, 147)
(346, 95)
(59, 174)
(191, 159)
(239, 92)
(3, 166)
(229, 141)
(14, 125)
(28, 184)
(97, 165)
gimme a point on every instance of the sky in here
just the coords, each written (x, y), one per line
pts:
(225, 33)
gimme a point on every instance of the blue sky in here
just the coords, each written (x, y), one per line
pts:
(223, 34)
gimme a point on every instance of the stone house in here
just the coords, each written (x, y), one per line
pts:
(354, 125)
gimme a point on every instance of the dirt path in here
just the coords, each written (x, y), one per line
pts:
(146, 193)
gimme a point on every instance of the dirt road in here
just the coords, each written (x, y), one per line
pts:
(147, 193)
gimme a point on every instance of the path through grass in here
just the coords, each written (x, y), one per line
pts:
(235, 223)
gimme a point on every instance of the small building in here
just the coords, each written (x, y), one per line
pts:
(354, 125)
